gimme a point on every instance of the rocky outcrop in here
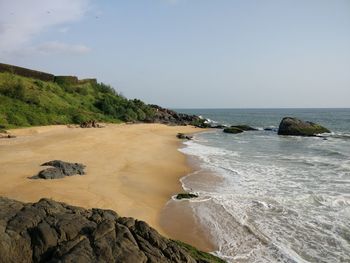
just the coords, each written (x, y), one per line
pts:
(171, 117)
(296, 127)
(233, 130)
(59, 170)
(184, 136)
(90, 124)
(48, 231)
(244, 127)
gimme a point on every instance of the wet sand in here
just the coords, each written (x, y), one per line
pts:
(184, 223)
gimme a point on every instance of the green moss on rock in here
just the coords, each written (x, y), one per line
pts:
(198, 255)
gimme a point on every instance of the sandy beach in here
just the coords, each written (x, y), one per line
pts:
(132, 169)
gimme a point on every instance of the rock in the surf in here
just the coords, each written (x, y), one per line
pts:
(186, 196)
(233, 130)
(296, 127)
(271, 129)
(184, 136)
(219, 126)
(244, 127)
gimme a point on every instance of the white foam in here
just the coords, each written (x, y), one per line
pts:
(272, 206)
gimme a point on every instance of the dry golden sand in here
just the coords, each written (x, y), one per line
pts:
(132, 169)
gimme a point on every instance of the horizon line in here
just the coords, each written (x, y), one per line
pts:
(262, 108)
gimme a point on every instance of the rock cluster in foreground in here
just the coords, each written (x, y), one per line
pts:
(296, 127)
(48, 231)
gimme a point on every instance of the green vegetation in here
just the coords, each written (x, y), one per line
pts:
(199, 255)
(185, 196)
(26, 102)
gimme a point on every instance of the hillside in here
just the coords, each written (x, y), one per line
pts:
(31, 98)
(26, 101)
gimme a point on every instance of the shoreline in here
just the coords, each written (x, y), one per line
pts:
(185, 212)
(132, 169)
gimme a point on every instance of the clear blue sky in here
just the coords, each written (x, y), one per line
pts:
(190, 53)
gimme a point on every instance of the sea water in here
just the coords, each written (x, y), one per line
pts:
(276, 198)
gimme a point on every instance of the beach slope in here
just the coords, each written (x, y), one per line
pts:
(132, 169)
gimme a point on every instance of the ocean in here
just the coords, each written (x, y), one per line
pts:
(273, 198)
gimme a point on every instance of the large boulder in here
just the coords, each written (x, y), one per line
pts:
(48, 231)
(296, 127)
(60, 169)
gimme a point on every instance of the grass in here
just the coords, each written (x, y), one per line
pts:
(31, 102)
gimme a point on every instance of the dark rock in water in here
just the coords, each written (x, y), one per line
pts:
(296, 127)
(271, 129)
(185, 196)
(233, 130)
(219, 126)
(60, 169)
(49, 231)
(184, 136)
(244, 127)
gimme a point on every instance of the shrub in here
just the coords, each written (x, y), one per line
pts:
(13, 88)
(17, 119)
(103, 88)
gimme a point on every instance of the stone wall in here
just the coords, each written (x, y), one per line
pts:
(44, 76)
(26, 72)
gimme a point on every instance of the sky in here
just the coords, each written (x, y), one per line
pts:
(190, 53)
